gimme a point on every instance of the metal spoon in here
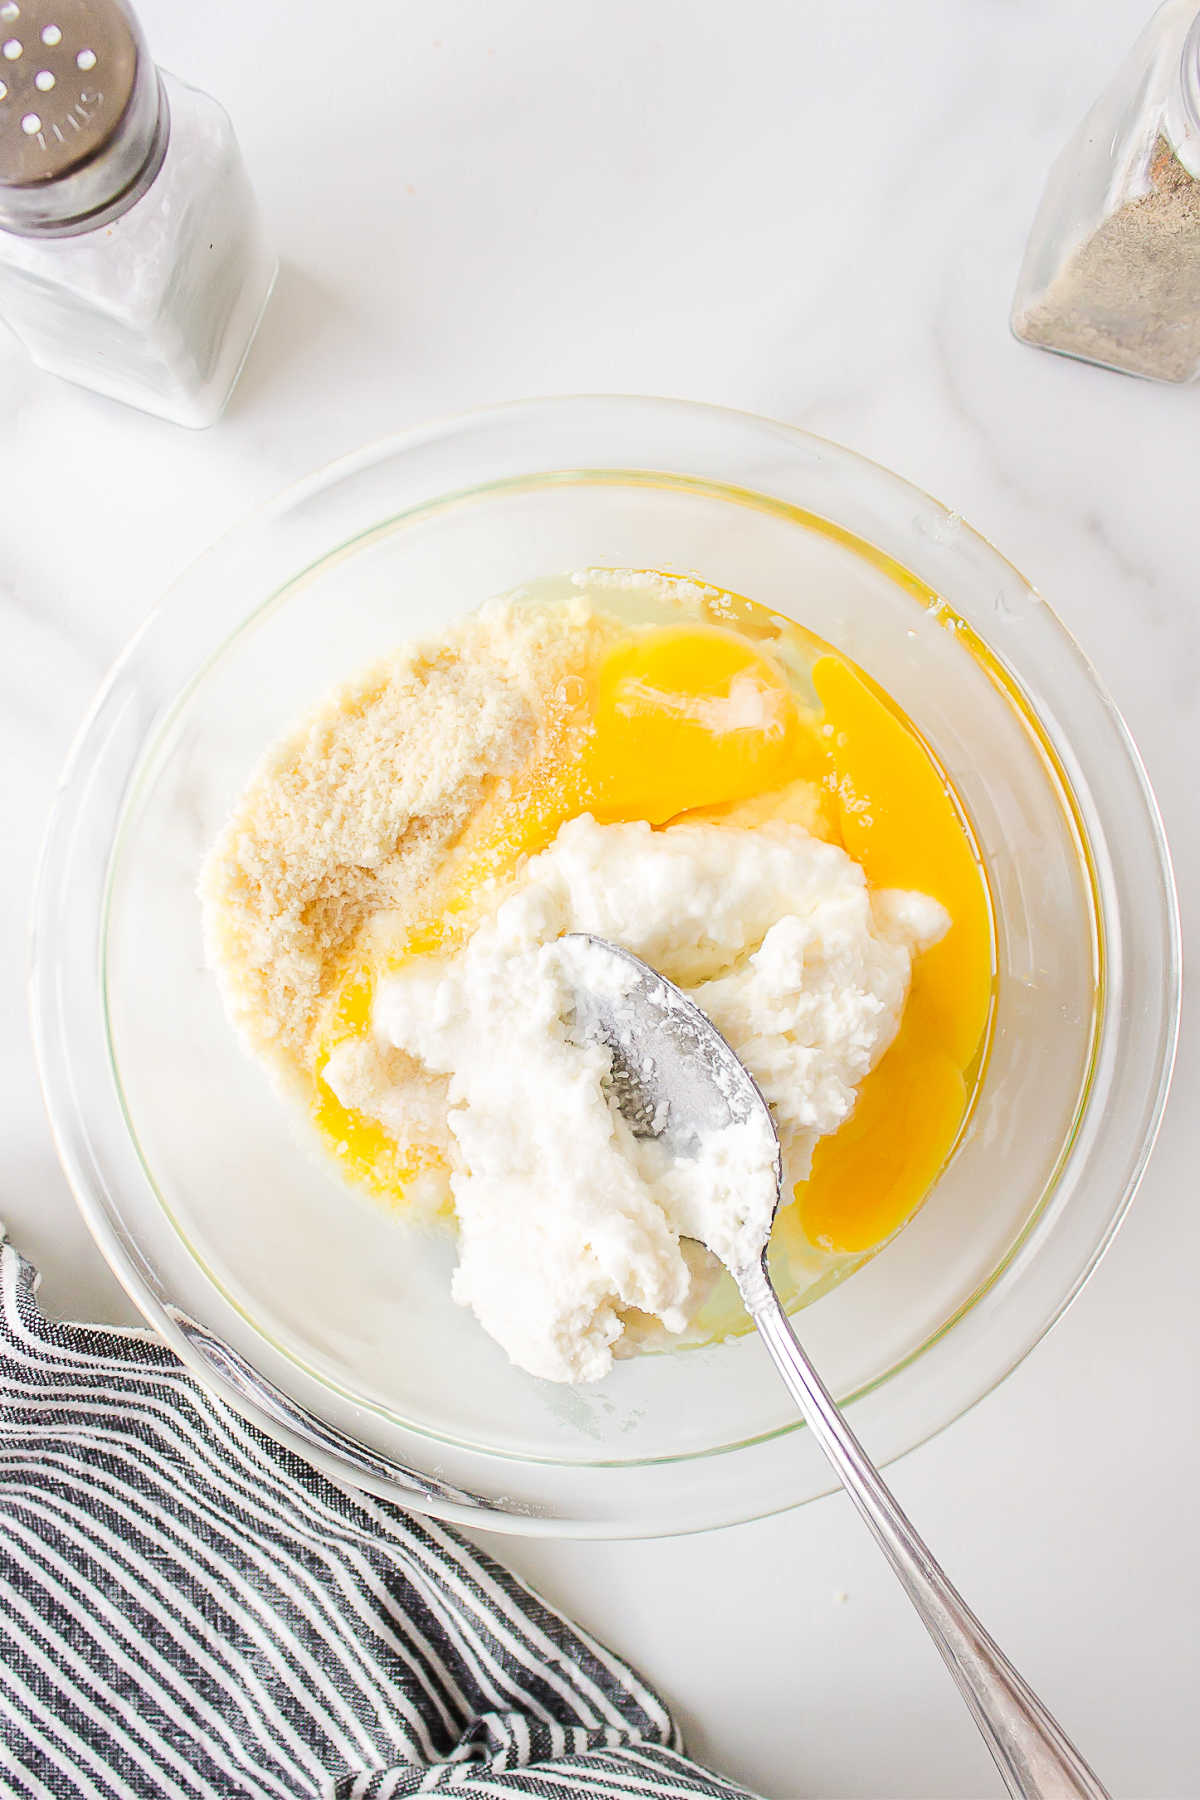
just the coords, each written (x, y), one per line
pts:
(674, 1077)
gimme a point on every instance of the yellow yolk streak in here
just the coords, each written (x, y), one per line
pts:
(694, 719)
(898, 819)
(363, 1148)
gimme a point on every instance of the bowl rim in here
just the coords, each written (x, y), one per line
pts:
(53, 1056)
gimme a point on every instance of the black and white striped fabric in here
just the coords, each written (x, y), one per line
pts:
(188, 1609)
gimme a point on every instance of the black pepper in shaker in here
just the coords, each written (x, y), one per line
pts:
(1112, 269)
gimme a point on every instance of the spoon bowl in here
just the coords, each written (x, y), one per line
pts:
(674, 1079)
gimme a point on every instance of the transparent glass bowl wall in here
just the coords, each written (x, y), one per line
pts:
(330, 1321)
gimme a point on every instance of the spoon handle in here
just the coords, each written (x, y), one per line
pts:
(1034, 1756)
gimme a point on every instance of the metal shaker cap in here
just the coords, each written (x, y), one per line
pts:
(83, 116)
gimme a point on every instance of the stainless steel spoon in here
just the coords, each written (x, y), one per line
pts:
(674, 1077)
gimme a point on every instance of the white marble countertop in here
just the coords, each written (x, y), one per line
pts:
(809, 211)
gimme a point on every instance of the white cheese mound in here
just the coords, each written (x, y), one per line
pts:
(566, 1222)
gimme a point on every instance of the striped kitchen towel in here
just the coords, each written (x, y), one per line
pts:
(186, 1609)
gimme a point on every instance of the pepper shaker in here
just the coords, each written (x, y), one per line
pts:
(1112, 270)
(132, 259)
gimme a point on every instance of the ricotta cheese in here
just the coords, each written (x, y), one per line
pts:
(570, 1229)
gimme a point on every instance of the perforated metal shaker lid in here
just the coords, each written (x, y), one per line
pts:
(83, 117)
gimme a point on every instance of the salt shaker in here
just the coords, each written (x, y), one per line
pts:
(132, 259)
(1112, 269)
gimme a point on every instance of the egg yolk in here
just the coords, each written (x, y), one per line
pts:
(694, 720)
(690, 717)
(897, 817)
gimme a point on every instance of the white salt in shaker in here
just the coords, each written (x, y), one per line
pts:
(1112, 270)
(132, 259)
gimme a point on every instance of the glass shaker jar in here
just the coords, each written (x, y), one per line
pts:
(132, 259)
(1112, 269)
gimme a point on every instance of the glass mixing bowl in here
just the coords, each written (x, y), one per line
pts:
(309, 1307)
